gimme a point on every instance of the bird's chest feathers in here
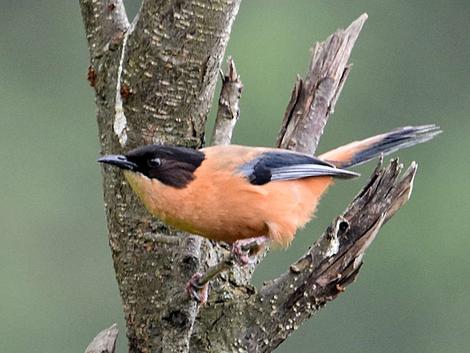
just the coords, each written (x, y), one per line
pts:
(171, 205)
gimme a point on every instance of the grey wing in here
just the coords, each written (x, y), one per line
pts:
(310, 170)
(286, 165)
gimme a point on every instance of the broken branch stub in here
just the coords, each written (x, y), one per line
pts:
(229, 106)
(314, 97)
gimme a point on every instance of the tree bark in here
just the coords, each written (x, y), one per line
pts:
(154, 81)
(314, 97)
(229, 106)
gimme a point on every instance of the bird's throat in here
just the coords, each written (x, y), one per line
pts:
(162, 201)
(148, 191)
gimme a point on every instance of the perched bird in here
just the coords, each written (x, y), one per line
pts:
(234, 193)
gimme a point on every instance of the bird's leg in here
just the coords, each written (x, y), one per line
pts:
(196, 290)
(244, 251)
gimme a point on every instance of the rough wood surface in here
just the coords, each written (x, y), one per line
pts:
(331, 264)
(314, 97)
(153, 84)
(260, 321)
(154, 81)
(229, 106)
(105, 23)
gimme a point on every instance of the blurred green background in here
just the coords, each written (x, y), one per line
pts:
(411, 66)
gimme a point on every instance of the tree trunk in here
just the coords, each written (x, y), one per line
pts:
(154, 81)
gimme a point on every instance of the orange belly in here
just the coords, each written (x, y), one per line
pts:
(228, 208)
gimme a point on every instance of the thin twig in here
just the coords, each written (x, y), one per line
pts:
(227, 116)
(229, 105)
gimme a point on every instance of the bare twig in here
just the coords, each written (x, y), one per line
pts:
(104, 342)
(262, 321)
(227, 117)
(229, 106)
(314, 97)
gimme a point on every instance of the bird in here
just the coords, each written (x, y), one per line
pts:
(237, 194)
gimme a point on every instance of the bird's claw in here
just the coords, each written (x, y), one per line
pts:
(195, 291)
(247, 256)
(241, 256)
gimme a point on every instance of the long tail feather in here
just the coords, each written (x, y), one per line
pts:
(359, 152)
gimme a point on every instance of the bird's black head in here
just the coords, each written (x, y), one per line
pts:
(173, 166)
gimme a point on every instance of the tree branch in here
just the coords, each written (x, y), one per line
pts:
(224, 265)
(260, 322)
(332, 262)
(229, 106)
(105, 23)
(154, 85)
(172, 60)
(314, 97)
(227, 117)
(311, 104)
(154, 82)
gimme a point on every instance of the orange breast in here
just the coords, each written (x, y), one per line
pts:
(219, 204)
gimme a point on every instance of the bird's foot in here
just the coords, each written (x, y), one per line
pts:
(245, 251)
(196, 291)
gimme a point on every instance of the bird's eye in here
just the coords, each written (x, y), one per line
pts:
(154, 162)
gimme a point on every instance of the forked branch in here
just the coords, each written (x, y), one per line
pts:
(162, 80)
(311, 104)
(331, 264)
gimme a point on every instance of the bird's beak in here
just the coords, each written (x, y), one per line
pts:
(118, 161)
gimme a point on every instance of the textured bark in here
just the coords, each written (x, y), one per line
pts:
(229, 106)
(331, 264)
(314, 97)
(154, 81)
(262, 320)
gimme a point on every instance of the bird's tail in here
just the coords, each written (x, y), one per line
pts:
(358, 152)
